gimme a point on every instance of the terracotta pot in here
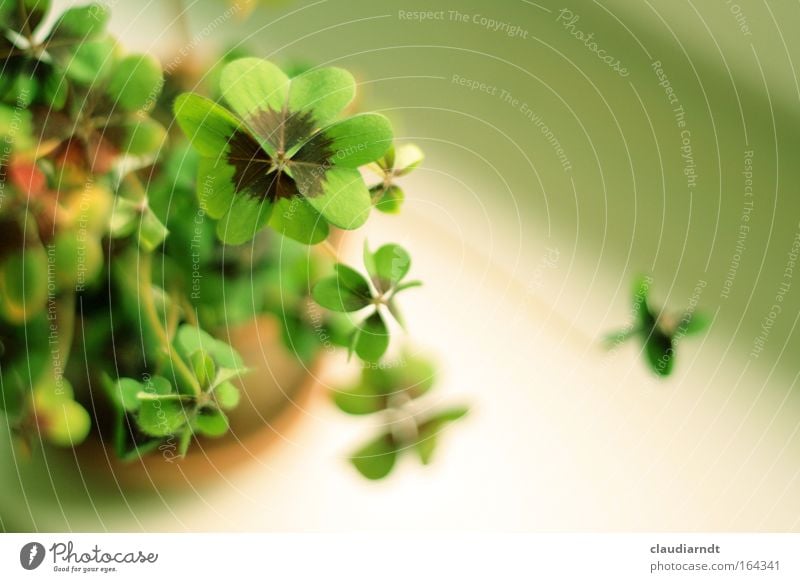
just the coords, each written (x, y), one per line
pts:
(274, 393)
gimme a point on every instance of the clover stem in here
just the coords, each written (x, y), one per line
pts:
(153, 322)
(331, 250)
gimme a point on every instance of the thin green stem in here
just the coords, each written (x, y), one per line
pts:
(331, 250)
(152, 320)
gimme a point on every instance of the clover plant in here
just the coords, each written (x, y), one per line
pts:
(658, 331)
(139, 220)
(394, 390)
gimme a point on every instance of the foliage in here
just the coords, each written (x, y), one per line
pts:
(394, 390)
(125, 246)
(349, 291)
(658, 331)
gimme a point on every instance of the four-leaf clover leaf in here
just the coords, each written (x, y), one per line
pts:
(658, 331)
(108, 118)
(35, 63)
(161, 410)
(393, 390)
(349, 291)
(387, 196)
(280, 157)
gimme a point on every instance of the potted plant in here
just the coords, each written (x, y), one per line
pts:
(152, 235)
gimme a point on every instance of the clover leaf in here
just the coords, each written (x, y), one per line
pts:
(280, 157)
(387, 196)
(393, 390)
(160, 410)
(37, 64)
(62, 420)
(658, 331)
(110, 117)
(349, 291)
(376, 459)
(382, 386)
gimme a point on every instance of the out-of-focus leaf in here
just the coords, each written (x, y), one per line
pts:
(204, 368)
(190, 339)
(160, 418)
(360, 399)
(151, 232)
(373, 338)
(428, 431)
(297, 219)
(692, 323)
(387, 266)
(407, 158)
(388, 200)
(23, 284)
(659, 351)
(376, 459)
(211, 423)
(346, 291)
(90, 62)
(135, 82)
(80, 23)
(227, 396)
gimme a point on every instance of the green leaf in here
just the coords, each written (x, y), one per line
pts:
(208, 126)
(31, 15)
(407, 158)
(408, 285)
(349, 143)
(244, 218)
(23, 284)
(428, 431)
(388, 200)
(227, 396)
(13, 390)
(76, 259)
(135, 83)
(338, 194)
(90, 62)
(67, 424)
(250, 85)
(215, 186)
(416, 377)
(325, 92)
(346, 291)
(63, 421)
(376, 459)
(659, 351)
(692, 323)
(361, 399)
(373, 339)
(190, 339)
(160, 418)
(158, 385)
(137, 136)
(55, 89)
(151, 232)
(297, 219)
(204, 368)
(211, 423)
(127, 391)
(80, 23)
(387, 266)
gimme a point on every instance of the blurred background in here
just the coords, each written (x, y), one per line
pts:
(557, 169)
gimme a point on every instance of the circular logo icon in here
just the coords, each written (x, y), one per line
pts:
(31, 555)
